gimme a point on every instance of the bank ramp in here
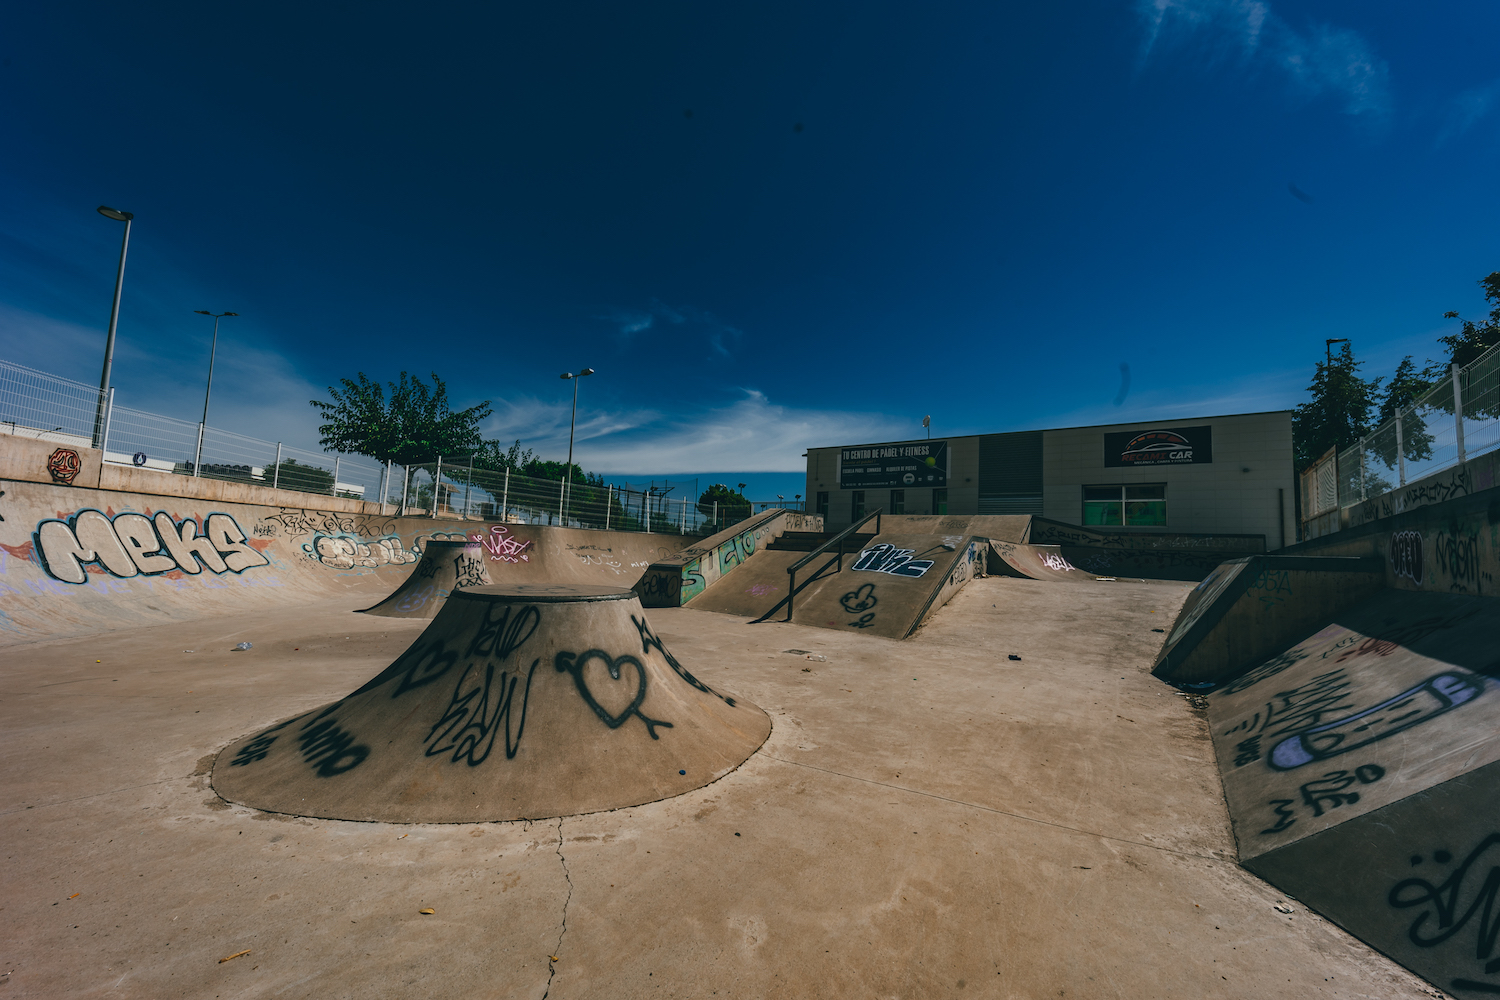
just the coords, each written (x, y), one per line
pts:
(1361, 767)
(76, 561)
(889, 587)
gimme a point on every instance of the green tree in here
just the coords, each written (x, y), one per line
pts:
(1338, 413)
(1404, 388)
(497, 459)
(733, 507)
(415, 425)
(1473, 339)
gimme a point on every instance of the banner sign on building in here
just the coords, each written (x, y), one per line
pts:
(894, 466)
(1161, 446)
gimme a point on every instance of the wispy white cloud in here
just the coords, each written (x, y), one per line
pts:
(1469, 108)
(751, 434)
(720, 336)
(1323, 60)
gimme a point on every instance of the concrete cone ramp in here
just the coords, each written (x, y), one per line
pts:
(445, 566)
(517, 702)
(1362, 771)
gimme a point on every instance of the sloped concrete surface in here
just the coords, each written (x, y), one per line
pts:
(927, 819)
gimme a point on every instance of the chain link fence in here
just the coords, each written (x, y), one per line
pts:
(36, 404)
(1452, 422)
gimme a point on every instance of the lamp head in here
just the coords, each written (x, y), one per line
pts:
(586, 371)
(115, 213)
(202, 312)
(228, 314)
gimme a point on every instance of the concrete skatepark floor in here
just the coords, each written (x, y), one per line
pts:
(927, 819)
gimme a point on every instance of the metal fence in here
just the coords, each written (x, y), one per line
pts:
(36, 404)
(1452, 422)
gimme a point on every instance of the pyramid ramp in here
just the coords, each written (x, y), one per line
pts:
(1249, 609)
(445, 566)
(888, 588)
(517, 702)
(1361, 769)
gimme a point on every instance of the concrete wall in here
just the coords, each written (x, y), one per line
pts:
(1220, 497)
(80, 560)
(26, 460)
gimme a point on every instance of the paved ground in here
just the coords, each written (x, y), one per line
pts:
(927, 819)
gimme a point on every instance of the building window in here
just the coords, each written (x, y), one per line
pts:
(1143, 506)
(856, 505)
(823, 502)
(940, 501)
(898, 502)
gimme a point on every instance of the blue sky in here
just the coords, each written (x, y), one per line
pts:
(768, 226)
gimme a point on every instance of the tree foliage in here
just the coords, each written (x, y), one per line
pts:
(733, 507)
(1338, 413)
(414, 425)
(1473, 339)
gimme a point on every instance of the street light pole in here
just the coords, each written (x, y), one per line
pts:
(114, 319)
(203, 424)
(1328, 347)
(568, 472)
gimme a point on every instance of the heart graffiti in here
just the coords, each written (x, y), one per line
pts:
(585, 679)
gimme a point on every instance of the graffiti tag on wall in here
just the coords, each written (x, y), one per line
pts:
(131, 544)
(1447, 909)
(886, 558)
(348, 551)
(1406, 555)
(502, 545)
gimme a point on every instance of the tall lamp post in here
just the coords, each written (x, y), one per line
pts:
(114, 319)
(203, 424)
(568, 472)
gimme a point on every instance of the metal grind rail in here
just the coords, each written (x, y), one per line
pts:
(792, 589)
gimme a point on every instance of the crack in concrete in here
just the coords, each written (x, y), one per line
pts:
(557, 951)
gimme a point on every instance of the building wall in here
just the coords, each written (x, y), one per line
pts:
(1216, 497)
(1236, 493)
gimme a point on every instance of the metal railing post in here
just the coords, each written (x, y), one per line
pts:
(1458, 412)
(646, 508)
(608, 504)
(109, 416)
(505, 498)
(437, 485)
(1400, 451)
(1362, 496)
(336, 460)
(198, 452)
(468, 485)
(276, 475)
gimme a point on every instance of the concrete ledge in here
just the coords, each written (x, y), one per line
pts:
(1248, 610)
